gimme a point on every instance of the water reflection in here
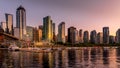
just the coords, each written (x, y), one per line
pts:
(81, 58)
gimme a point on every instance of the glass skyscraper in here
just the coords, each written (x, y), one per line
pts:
(47, 29)
(9, 23)
(61, 32)
(21, 21)
(106, 35)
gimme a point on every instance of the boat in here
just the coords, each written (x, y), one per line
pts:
(13, 47)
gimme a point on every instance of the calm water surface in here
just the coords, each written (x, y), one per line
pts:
(81, 58)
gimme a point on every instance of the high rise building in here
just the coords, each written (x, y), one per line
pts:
(35, 35)
(29, 33)
(61, 32)
(93, 37)
(118, 36)
(16, 32)
(39, 35)
(111, 39)
(53, 31)
(80, 36)
(106, 35)
(47, 29)
(76, 36)
(9, 23)
(86, 37)
(72, 35)
(21, 21)
(100, 38)
(3, 26)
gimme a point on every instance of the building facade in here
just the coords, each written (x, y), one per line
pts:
(93, 37)
(9, 24)
(106, 35)
(80, 36)
(16, 32)
(86, 37)
(76, 37)
(39, 35)
(118, 36)
(54, 34)
(61, 32)
(21, 21)
(100, 38)
(72, 35)
(47, 29)
(111, 39)
(29, 33)
(3, 26)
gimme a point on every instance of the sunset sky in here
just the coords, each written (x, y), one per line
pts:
(83, 14)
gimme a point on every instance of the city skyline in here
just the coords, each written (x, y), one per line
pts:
(81, 16)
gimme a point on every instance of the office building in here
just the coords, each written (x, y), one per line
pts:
(86, 37)
(21, 21)
(61, 32)
(35, 35)
(9, 23)
(53, 31)
(100, 38)
(80, 36)
(29, 33)
(111, 39)
(93, 37)
(76, 37)
(47, 29)
(3, 26)
(39, 35)
(72, 35)
(118, 36)
(106, 35)
(16, 32)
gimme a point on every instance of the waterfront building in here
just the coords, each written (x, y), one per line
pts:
(39, 35)
(16, 32)
(9, 23)
(86, 37)
(35, 35)
(47, 29)
(53, 31)
(106, 35)
(80, 36)
(66, 38)
(3, 26)
(21, 21)
(29, 34)
(118, 36)
(61, 32)
(100, 38)
(93, 37)
(111, 39)
(72, 35)
(76, 36)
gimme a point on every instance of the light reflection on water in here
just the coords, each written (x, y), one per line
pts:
(83, 58)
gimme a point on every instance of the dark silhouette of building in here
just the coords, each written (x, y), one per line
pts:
(106, 35)
(71, 35)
